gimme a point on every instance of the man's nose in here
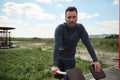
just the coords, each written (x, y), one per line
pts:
(72, 19)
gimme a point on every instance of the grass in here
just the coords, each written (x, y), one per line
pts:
(24, 64)
(109, 45)
(30, 64)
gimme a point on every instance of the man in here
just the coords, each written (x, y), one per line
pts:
(67, 36)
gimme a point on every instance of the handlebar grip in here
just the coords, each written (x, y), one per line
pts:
(61, 72)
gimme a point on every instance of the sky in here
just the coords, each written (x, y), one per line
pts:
(39, 18)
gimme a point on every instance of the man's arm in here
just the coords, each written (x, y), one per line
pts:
(86, 41)
(57, 47)
(58, 44)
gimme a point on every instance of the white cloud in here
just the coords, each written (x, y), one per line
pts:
(109, 27)
(5, 21)
(3, 18)
(23, 29)
(92, 30)
(62, 18)
(96, 14)
(31, 10)
(63, 0)
(110, 23)
(39, 30)
(116, 2)
(59, 5)
(44, 1)
(12, 8)
(83, 15)
(68, 0)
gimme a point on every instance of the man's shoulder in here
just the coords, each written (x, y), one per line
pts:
(79, 25)
(61, 26)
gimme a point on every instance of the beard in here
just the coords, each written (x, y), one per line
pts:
(72, 24)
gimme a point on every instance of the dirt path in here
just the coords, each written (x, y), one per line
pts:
(106, 57)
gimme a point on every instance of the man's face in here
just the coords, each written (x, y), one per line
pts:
(71, 18)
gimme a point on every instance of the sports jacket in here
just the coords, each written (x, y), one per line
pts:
(66, 40)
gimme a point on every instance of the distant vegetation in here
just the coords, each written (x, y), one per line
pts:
(109, 43)
(112, 36)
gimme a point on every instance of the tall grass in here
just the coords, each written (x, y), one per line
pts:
(30, 64)
(25, 64)
(109, 45)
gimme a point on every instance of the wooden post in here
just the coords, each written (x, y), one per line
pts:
(6, 38)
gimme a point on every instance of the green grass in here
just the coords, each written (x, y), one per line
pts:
(109, 45)
(25, 64)
(30, 64)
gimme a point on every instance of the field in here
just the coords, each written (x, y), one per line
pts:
(33, 59)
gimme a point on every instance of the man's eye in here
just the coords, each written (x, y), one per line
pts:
(71, 17)
(74, 16)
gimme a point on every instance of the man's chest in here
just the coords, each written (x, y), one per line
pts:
(70, 36)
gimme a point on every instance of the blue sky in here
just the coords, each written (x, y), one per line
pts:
(39, 18)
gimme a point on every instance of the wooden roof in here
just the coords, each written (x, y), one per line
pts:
(6, 28)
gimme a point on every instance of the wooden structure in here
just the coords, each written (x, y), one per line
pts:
(5, 39)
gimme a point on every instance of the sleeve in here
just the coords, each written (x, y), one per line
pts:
(86, 41)
(58, 41)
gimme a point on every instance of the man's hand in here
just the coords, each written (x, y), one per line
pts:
(54, 70)
(97, 66)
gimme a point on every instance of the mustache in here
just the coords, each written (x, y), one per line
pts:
(72, 22)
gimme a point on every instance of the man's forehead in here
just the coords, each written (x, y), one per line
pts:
(71, 13)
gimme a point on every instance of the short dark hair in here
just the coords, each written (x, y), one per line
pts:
(71, 8)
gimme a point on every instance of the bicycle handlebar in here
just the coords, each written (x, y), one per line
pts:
(61, 72)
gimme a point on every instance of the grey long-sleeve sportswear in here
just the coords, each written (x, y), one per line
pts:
(66, 40)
